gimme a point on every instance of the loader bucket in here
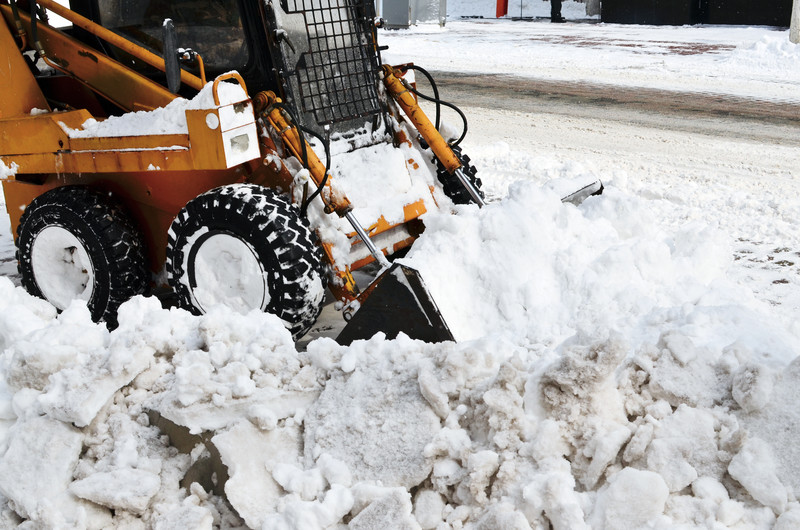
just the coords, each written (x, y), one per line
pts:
(577, 197)
(398, 302)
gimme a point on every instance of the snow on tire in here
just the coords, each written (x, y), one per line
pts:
(76, 243)
(246, 247)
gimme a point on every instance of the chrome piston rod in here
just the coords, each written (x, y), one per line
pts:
(473, 191)
(362, 234)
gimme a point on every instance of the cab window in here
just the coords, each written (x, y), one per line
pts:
(212, 28)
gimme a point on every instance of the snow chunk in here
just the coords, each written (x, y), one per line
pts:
(264, 408)
(554, 494)
(312, 515)
(579, 389)
(20, 314)
(186, 516)
(76, 363)
(754, 468)
(37, 468)
(778, 425)
(752, 386)
(789, 520)
(72, 339)
(684, 373)
(502, 515)
(237, 354)
(121, 489)
(375, 421)
(580, 265)
(685, 447)
(232, 366)
(390, 511)
(77, 393)
(251, 456)
(633, 499)
(428, 509)
(307, 484)
(570, 385)
(709, 488)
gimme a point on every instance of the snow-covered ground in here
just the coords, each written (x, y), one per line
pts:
(621, 364)
(755, 62)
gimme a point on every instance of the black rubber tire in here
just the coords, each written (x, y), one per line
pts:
(452, 186)
(280, 239)
(106, 232)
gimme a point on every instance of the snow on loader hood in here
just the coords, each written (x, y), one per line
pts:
(609, 375)
(170, 119)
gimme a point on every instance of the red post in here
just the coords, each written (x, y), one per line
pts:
(502, 8)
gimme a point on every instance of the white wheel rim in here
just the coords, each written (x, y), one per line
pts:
(61, 267)
(227, 272)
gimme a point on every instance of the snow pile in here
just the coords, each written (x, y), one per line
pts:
(610, 374)
(613, 379)
(530, 265)
(772, 53)
(170, 119)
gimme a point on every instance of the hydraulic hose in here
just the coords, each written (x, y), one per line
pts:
(302, 132)
(20, 31)
(327, 145)
(376, 253)
(435, 99)
(284, 108)
(434, 87)
(35, 13)
(35, 27)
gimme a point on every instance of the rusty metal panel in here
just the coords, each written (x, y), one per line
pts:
(21, 94)
(131, 161)
(167, 142)
(207, 147)
(31, 134)
(128, 89)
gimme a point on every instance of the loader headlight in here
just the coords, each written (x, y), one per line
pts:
(212, 121)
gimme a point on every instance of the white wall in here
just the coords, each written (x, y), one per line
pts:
(400, 13)
(428, 11)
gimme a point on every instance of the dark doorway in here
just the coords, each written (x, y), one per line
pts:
(680, 12)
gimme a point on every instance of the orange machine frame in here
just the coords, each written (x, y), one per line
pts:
(186, 165)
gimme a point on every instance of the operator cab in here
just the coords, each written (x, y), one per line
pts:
(223, 32)
(212, 27)
(321, 58)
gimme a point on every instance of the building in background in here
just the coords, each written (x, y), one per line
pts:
(404, 13)
(667, 12)
(679, 12)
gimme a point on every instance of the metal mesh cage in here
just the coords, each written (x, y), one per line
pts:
(336, 79)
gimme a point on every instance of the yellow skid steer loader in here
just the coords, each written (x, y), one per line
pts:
(130, 169)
